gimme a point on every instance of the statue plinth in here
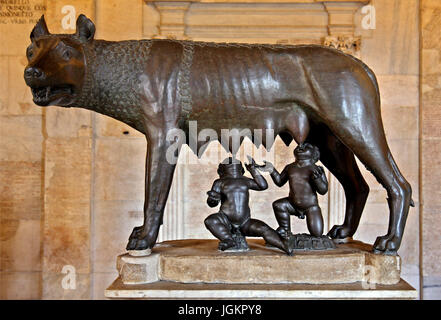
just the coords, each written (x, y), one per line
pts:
(182, 268)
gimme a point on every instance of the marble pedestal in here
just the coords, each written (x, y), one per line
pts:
(196, 269)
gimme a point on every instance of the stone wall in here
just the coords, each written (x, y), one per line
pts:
(430, 148)
(72, 181)
(21, 167)
(392, 51)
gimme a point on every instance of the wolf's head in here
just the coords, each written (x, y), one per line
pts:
(56, 63)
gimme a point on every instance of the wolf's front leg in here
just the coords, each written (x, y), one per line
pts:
(158, 180)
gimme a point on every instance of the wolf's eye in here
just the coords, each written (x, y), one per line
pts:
(67, 54)
(30, 53)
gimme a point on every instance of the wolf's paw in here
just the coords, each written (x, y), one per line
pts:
(387, 244)
(340, 232)
(137, 241)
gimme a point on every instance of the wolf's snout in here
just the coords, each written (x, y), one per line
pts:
(33, 73)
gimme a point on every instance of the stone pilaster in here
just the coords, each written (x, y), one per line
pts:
(341, 15)
(21, 170)
(172, 19)
(337, 202)
(430, 147)
(68, 182)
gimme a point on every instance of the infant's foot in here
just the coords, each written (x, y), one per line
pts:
(226, 244)
(284, 233)
(288, 247)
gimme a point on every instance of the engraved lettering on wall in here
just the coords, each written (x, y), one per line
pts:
(21, 11)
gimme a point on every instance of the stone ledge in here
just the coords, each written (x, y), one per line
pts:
(199, 261)
(260, 1)
(172, 290)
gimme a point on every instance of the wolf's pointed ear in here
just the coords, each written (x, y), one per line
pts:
(40, 29)
(85, 28)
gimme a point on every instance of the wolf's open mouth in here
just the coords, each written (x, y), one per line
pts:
(46, 94)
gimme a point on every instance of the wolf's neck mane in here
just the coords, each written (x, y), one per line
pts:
(111, 84)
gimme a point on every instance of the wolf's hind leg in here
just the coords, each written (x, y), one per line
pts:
(340, 161)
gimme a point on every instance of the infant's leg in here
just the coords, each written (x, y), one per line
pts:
(314, 221)
(257, 228)
(282, 210)
(220, 230)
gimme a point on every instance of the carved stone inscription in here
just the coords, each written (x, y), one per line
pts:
(21, 11)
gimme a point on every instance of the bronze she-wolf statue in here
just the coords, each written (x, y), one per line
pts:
(307, 93)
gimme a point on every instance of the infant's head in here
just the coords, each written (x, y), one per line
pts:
(307, 151)
(230, 166)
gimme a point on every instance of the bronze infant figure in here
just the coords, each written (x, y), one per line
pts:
(308, 93)
(306, 179)
(233, 220)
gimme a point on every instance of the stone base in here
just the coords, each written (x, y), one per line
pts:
(199, 261)
(171, 290)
